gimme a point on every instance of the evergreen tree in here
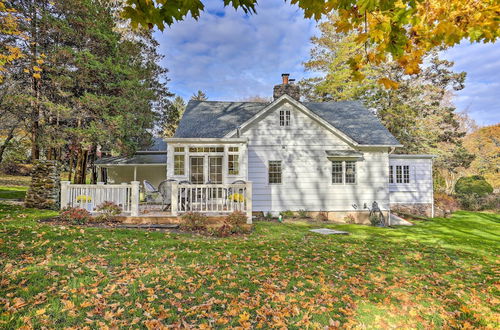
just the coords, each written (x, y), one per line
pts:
(199, 96)
(87, 85)
(174, 115)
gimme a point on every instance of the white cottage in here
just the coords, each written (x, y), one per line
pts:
(333, 157)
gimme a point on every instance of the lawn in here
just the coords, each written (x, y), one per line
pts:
(13, 192)
(439, 273)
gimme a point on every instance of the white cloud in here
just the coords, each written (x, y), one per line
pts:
(237, 55)
(482, 85)
(230, 56)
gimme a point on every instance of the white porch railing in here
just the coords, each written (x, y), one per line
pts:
(212, 198)
(90, 196)
(203, 198)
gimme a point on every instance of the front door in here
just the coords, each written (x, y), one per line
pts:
(215, 169)
(197, 169)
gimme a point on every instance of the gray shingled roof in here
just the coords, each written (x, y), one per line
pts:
(213, 119)
(209, 119)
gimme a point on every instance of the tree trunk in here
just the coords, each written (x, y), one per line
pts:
(81, 167)
(71, 156)
(4, 145)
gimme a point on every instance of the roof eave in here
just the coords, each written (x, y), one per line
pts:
(207, 140)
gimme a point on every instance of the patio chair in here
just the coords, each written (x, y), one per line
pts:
(165, 189)
(150, 192)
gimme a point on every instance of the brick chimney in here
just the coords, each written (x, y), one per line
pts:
(286, 87)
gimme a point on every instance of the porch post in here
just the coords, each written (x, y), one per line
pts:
(135, 173)
(249, 202)
(64, 194)
(134, 208)
(174, 198)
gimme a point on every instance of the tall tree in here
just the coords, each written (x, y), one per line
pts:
(485, 144)
(199, 96)
(419, 113)
(9, 34)
(174, 115)
(90, 81)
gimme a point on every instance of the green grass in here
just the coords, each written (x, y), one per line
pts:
(439, 273)
(13, 192)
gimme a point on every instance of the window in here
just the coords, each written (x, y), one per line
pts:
(206, 149)
(178, 164)
(284, 117)
(337, 172)
(215, 169)
(402, 174)
(343, 172)
(274, 171)
(350, 172)
(233, 164)
(406, 174)
(197, 166)
(179, 149)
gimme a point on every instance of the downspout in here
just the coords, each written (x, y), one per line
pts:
(391, 150)
(432, 188)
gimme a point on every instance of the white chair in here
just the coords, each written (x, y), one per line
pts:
(165, 189)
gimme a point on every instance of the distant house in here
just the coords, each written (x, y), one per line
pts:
(334, 156)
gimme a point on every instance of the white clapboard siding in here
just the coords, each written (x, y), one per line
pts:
(420, 188)
(306, 170)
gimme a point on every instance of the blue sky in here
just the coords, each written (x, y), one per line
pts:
(232, 56)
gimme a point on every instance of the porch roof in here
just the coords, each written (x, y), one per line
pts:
(137, 159)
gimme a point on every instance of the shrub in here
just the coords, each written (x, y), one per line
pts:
(491, 203)
(269, 215)
(75, 215)
(475, 202)
(474, 184)
(287, 214)
(349, 219)
(235, 223)
(108, 211)
(322, 216)
(13, 168)
(303, 213)
(236, 219)
(194, 221)
(446, 202)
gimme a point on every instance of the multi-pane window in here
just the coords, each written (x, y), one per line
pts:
(343, 172)
(232, 149)
(233, 164)
(274, 171)
(197, 166)
(215, 170)
(406, 174)
(401, 175)
(179, 149)
(350, 172)
(284, 117)
(179, 164)
(206, 149)
(337, 173)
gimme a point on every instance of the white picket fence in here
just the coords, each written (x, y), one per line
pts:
(212, 198)
(90, 196)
